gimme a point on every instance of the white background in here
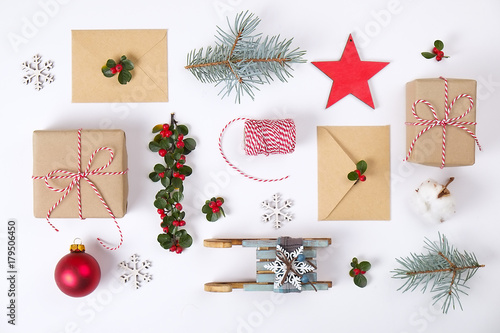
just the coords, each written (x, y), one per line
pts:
(393, 31)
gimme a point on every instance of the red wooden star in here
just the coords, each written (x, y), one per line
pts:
(350, 75)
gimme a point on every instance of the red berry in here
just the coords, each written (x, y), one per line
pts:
(168, 134)
(166, 127)
(119, 68)
(163, 133)
(161, 174)
(175, 223)
(163, 215)
(162, 152)
(182, 223)
(215, 209)
(160, 211)
(180, 137)
(440, 53)
(357, 271)
(439, 58)
(363, 272)
(435, 50)
(212, 204)
(178, 250)
(182, 158)
(176, 174)
(165, 230)
(178, 206)
(218, 203)
(182, 177)
(362, 178)
(173, 248)
(178, 165)
(180, 144)
(113, 70)
(358, 172)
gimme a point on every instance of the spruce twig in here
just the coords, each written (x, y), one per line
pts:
(242, 60)
(444, 268)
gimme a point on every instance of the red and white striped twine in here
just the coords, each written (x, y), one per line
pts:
(264, 137)
(75, 180)
(430, 123)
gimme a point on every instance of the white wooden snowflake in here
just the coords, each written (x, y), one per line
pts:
(277, 211)
(280, 268)
(37, 73)
(134, 271)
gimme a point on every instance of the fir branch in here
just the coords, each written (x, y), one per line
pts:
(443, 267)
(242, 60)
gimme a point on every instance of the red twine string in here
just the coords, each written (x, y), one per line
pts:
(264, 137)
(430, 123)
(75, 180)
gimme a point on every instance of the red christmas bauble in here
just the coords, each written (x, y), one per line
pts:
(77, 274)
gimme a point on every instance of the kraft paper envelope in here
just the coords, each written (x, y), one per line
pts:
(339, 149)
(147, 49)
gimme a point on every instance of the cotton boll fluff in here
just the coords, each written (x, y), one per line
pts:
(434, 201)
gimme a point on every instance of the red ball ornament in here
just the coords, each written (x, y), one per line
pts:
(77, 274)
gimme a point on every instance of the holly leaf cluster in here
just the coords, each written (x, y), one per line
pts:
(170, 143)
(213, 209)
(123, 68)
(437, 51)
(357, 175)
(358, 271)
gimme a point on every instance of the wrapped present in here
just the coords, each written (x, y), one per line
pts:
(439, 132)
(80, 174)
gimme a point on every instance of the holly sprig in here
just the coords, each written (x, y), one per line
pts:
(358, 271)
(437, 51)
(357, 175)
(172, 145)
(213, 209)
(123, 67)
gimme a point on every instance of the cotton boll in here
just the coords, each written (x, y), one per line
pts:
(434, 201)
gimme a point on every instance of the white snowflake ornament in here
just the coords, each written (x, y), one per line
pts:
(434, 201)
(134, 271)
(289, 267)
(277, 211)
(37, 73)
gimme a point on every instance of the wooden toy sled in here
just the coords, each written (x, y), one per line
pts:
(266, 253)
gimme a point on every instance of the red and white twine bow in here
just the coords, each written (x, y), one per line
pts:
(446, 121)
(264, 137)
(76, 177)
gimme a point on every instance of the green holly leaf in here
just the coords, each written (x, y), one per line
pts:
(161, 194)
(439, 45)
(189, 144)
(165, 181)
(166, 143)
(351, 272)
(361, 166)
(169, 160)
(352, 175)
(428, 55)
(159, 168)
(210, 216)
(222, 211)
(360, 280)
(364, 266)
(154, 146)
(185, 241)
(186, 170)
(157, 128)
(178, 196)
(122, 58)
(127, 64)
(165, 240)
(183, 129)
(106, 71)
(110, 63)
(206, 209)
(176, 182)
(160, 203)
(124, 77)
(154, 176)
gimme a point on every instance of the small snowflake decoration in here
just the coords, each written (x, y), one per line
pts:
(289, 267)
(277, 211)
(134, 271)
(36, 73)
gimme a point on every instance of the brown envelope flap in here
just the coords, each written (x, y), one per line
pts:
(333, 166)
(145, 48)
